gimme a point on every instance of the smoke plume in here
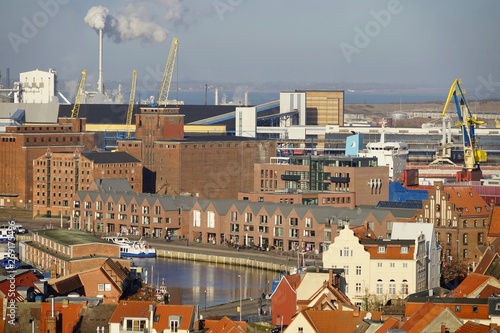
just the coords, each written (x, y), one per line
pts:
(120, 28)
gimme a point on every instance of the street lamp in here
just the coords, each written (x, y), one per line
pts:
(239, 277)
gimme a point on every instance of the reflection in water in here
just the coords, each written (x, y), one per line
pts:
(204, 284)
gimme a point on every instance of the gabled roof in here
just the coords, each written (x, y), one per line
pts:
(472, 285)
(23, 279)
(390, 322)
(224, 325)
(489, 264)
(494, 230)
(70, 315)
(310, 283)
(134, 309)
(336, 321)
(466, 198)
(363, 232)
(164, 312)
(424, 316)
(116, 185)
(472, 327)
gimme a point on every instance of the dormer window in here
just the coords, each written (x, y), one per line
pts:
(404, 249)
(381, 249)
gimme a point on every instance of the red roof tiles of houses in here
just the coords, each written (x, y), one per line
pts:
(138, 309)
(186, 312)
(24, 279)
(494, 230)
(224, 325)
(468, 200)
(485, 262)
(472, 327)
(422, 318)
(336, 321)
(470, 284)
(388, 324)
(69, 313)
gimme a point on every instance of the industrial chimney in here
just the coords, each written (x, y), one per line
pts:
(100, 86)
(216, 96)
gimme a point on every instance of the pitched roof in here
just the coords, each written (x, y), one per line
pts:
(469, 285)
(224, 325)
(70, 314)
(423, 317)
(488, 256)
(23, 279)
(391, 322)
(112, 184)
(96, 316)
(164, 312)
(337, 321)
(467, 199)
(494, 230)
(137, 309)
(472, 327)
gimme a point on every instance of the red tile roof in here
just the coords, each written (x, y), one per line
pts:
(472, 327)
(494, 230)
(422, 318)
(138, 309)
(186, 312)
(69, 313)
(336, 321)
(486, 261)
(24, 279)
(363, 232)
(391, 322)
(224, 325)
(466, 198)
(392, 251)
(470, 284)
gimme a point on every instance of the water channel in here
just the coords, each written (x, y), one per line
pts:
(204, 284)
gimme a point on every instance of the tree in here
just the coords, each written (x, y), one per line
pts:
(452, 273)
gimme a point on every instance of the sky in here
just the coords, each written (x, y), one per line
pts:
(400, 43)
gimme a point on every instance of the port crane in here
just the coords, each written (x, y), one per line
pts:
(130, 110)
(167, 75)
(79, 95)
(472, 154)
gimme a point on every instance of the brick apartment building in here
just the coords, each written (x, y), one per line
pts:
(349, 181)
(68, 251)
(20, 145)
(57, 176)
(230, 221)
(461, 219)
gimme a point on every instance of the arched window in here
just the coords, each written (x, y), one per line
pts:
(465, 239)
(404, 287)
(392, 287)
(465, 223)
(380, 287)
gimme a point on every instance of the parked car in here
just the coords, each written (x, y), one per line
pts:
(20, 229)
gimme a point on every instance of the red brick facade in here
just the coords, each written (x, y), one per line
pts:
(20, 145)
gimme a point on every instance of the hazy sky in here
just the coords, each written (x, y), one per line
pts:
(416, 42)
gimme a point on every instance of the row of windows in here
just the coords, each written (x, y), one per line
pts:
(465, 238)
(49, 139)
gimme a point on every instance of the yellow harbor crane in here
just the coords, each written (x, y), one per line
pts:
(167, 75)
(130, 110)
(79, 96)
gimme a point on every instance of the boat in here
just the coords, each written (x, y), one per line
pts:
(133, 249)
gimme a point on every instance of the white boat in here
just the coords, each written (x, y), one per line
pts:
(133, 249)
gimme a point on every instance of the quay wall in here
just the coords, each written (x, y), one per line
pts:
(232, 261)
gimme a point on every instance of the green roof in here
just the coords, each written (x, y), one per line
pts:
(70, 237)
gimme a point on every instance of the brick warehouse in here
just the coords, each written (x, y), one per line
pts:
(57, 176)
(22, 144)
(205, 166)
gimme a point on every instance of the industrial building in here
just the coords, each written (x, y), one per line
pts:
(57, 176)
(21, 145)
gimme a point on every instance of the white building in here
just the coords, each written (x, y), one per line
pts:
(404, 230)
(38, 86)
(378, 269)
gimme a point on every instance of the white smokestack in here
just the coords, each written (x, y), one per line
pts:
(245, 100)
(100, 84)
(216, 96)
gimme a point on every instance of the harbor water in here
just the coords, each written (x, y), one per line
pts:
(204, 284)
